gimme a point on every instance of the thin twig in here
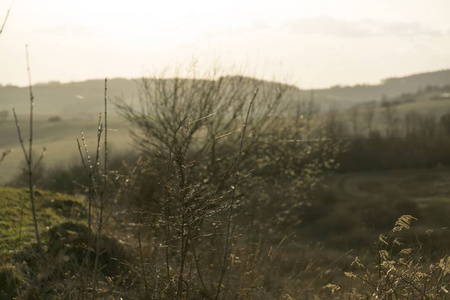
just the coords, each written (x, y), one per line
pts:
(36, 165)
(4, 21)
(142, 263)
(6, 152)
(233, 196)
(28, 156)
(19, 133)
(103, 192)
(90, 171)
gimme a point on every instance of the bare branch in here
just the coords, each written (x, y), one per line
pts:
(4, 21)
(6, 152)
(233, 195)
(19, 133)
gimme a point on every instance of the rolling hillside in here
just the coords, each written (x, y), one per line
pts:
(86, 97)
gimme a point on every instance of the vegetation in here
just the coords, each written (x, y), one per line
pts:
(237, 189)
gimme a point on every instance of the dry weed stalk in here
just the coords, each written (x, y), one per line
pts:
(97, 190)
(4, 21)
(187, 130)
(226, 252)
(400, 272)
(28, 155)
(103, 192)
(6, 152)
(91, 170)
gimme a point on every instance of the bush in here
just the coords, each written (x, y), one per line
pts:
(10, 281)
(54, 119)
(399, 270)
(198, 169)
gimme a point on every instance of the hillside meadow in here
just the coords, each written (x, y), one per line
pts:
(59, 139)
(229, 188)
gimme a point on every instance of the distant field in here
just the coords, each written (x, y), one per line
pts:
(423, 186)
(423, 107)
(358, 206)
(424, 193)
(59, 138)
(437, 107)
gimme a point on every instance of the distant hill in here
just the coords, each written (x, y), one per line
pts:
(87, 97)
(84, 97)
(391, 88)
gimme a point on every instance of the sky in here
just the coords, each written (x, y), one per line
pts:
(311, 44)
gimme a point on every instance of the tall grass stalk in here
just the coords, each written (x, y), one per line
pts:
(102, 193)
(29, 155)
(6, 152)
(4, 21)
(90, 170)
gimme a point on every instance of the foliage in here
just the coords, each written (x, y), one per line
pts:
(16, 218)
(188, 132)
(400, 271)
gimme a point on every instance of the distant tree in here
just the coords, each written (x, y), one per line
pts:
(334, 126)
(54, 119)
(410, 121)
(354, 119)
(4, 114)
(306, 111)
(368, 115)
(445, 123)
(390, 118)
(311, 109)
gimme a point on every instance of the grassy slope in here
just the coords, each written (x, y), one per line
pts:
(423, 186)
(364, 204)
(59, 138)
(15, 210)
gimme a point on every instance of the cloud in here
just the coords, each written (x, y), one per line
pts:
(352, 29)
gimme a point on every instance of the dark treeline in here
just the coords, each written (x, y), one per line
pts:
(411, 140)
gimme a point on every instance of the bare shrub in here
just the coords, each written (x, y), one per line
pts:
(188, 132)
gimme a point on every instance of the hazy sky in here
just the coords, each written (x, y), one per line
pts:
(311, 43)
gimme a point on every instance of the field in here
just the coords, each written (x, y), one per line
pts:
(17, 221)
(306, 176)
(299, 265)
(422, 186)
(59, 139)
(361, 205)
(209, 211)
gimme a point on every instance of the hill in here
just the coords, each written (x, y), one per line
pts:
(390, 88)
(86, 97)
(74, 98)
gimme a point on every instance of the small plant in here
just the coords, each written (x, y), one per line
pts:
(28, 154)
(54, 119)
(398, 271)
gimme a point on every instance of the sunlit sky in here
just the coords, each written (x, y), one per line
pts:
(310, 43)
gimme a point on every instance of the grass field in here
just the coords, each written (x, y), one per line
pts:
(422, 186)
(16, 219)
(59, 138)
(356, 207)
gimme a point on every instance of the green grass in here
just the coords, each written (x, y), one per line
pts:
(362, 205)
(412, 184)
(59, 138)
(437, 107)
(16, 225)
